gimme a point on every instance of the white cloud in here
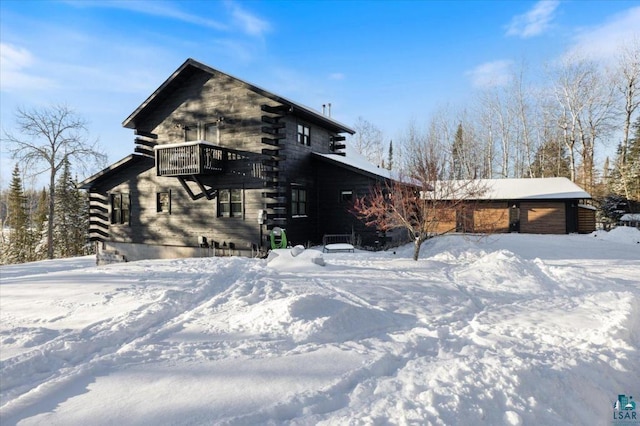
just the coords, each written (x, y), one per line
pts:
(491, 74)
(535, 21)
(155, 8)
(603, 42)
(15, 63)
(243, 20)
(249, 23)
(14, 58)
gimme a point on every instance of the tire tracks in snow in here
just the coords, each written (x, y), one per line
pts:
(101, 345)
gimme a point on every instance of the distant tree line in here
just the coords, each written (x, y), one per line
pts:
(555, 125)
(24, 218)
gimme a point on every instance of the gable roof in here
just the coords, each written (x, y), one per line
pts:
(113, 168)
(535, 189)
(191, 65)
(356, 162)
(347, 163)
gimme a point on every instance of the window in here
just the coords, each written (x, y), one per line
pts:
(120, 210)
(163, 202)
(191, 133)
(298, 202)
(346, 195)
(211, 133)
(304, 135)
(230, 203)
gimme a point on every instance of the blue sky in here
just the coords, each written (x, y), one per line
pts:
(388, 62)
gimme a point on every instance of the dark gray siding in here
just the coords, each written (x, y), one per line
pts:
(195, 99)
(334, 216)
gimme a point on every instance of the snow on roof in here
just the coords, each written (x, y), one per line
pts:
(355, 160)
(521, 189)
(535, 188)
(630, 217)
(493, 189)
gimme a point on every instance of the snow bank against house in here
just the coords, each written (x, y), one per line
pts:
(498, 330)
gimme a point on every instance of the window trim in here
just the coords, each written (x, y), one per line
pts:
(191, 132)
(344, 193)
(211, 129)
(304, 138)
(158, 204)
(117, 215)
(295, 205)
(230, 203)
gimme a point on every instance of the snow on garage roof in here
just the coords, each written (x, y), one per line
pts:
(517, 189)
(534, 188)
(492, 189)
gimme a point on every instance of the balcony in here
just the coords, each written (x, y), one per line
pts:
(190, 158)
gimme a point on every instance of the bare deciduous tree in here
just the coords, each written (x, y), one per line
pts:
(586, 105)
(627, 83)
(47, 138)
(368, 141)
(420, 202)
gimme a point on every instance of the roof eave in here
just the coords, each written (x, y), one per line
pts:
(90, 181)
(334, 125)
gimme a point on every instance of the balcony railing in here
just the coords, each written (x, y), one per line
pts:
(190, 158)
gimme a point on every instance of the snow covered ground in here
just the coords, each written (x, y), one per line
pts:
(506, 329)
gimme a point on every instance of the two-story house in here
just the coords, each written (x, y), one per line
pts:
(218, 163)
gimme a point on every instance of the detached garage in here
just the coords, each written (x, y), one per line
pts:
(532, 206)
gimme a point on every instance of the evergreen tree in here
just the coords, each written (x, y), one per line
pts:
(615, 184)
(457, 154)
(624, 176)
(70, 221)
(633, 173)
(612, 207)
(40, 222)
(390, 156)
(18, 248)
(551, 160)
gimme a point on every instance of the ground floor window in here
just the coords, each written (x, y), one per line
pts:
(230, 203)
(298, 201)
(120, 208)
(163, 202)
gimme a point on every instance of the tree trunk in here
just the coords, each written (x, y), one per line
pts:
(416, 247)
(52, 196)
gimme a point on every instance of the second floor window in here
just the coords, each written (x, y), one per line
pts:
(230, 203)
(211, 133)
(191, 133)
(120, 209)
(304, 135)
